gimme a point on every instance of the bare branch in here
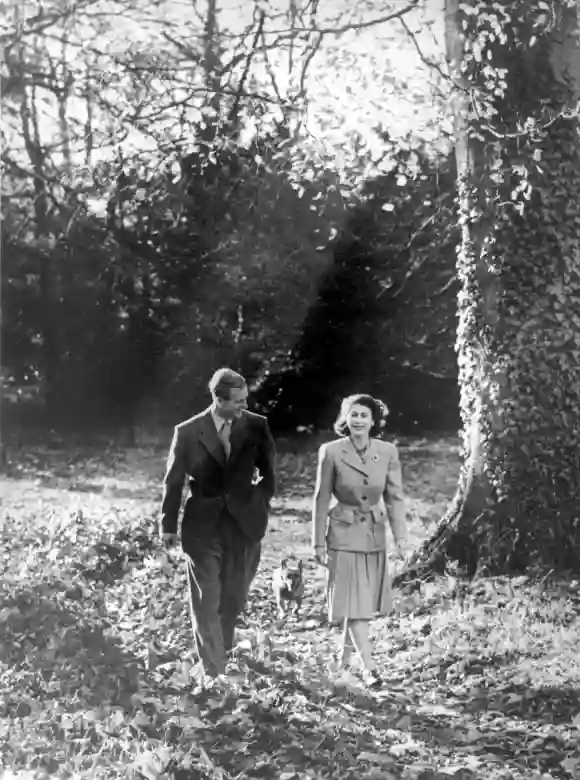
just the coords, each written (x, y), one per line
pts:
(37, 24)
(237, 58)
(191, 54)
(239, 92)
(426, 61)
(292, 14)
(311, 54)
(270, 70)
(88, 128)
(358, 25)
(139, 118)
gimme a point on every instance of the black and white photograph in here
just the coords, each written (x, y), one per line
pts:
(290, 390)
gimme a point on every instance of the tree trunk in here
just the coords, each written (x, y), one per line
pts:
(89, 139)
(517, 72)
(202, 164)
(49, 285)
(212, 68)
(62, 101)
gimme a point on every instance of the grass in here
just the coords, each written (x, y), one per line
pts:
(96, 661)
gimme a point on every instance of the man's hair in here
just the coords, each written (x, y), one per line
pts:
(224, 381)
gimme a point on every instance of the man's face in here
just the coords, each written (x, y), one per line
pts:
(234, 405)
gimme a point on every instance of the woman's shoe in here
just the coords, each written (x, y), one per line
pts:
(341, 662)
(346, 659)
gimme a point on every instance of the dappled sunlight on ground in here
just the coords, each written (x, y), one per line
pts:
(97, 675)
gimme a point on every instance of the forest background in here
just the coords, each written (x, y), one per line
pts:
(188, 185)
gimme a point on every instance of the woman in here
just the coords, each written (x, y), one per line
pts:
(363, 475)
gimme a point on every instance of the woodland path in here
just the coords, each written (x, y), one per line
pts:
(95, 647)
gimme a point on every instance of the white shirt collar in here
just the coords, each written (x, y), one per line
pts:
(219, 422)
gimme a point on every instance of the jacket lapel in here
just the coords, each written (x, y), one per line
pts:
(208, 436)
(351, 459)
(238, 436)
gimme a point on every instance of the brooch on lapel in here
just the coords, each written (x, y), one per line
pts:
(375, 458)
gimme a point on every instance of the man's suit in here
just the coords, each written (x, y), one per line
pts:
(224, 520)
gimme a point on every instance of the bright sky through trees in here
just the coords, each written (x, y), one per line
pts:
(356, 82)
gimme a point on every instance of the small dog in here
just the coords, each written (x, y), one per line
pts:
(288, 586)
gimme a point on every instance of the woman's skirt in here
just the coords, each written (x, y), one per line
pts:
(359, 586)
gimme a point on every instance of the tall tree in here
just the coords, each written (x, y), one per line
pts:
(516, 71)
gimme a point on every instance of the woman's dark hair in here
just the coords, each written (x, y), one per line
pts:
(378, 410)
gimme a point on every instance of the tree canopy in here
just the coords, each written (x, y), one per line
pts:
(176, 178)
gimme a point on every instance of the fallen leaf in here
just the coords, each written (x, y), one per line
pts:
(152, 764)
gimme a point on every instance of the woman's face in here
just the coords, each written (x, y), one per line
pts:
(359, 419)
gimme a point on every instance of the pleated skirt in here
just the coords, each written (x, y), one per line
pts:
(358, 585)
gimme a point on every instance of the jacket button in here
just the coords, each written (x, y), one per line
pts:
(364, 498)
(365, 482)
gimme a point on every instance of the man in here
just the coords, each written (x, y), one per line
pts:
(229, 455)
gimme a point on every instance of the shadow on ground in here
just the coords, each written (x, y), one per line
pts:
(331, 727)
(55, 647)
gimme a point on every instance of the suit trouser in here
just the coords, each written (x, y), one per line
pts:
(220, 570)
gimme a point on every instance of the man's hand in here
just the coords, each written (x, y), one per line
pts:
(168, 540)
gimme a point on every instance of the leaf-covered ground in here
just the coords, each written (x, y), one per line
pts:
(96, 670)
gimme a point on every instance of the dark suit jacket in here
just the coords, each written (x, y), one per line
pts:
(216, 483)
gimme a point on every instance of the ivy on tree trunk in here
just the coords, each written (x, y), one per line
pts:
(516, 67)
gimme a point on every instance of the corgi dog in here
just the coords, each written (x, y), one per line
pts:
(288, 586)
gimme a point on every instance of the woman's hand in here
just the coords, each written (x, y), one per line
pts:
(404, 549)
(320, 555)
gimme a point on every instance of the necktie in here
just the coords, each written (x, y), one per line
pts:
(225, 437)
